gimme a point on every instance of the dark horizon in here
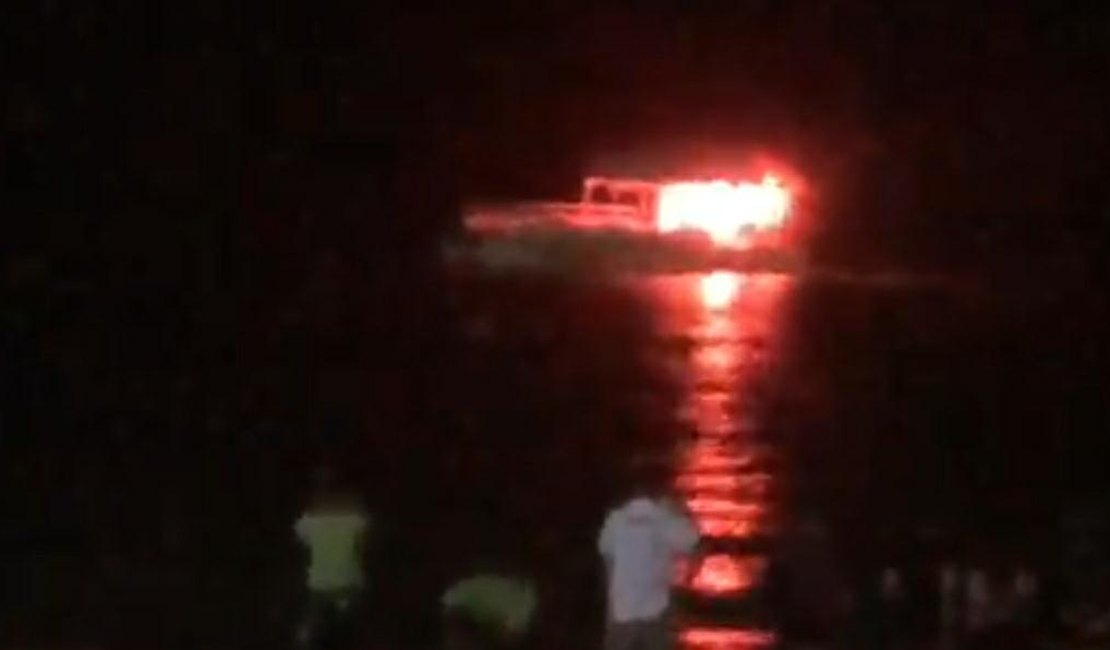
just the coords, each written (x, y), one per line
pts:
(934, 127)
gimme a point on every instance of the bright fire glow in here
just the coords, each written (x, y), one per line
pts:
(724, 476)
(723, 210)
(720, 574)
(702, 638)
(718, 289)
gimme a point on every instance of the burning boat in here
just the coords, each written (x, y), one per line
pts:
(674, 224)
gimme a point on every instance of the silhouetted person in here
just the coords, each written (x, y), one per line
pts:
(334, 530)
(491, 609)
(640, 542)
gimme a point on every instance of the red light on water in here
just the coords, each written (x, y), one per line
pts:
(722, 574)
(723, 210)
(707, 638)
(719, 289)
(728, 527)
(706, 481)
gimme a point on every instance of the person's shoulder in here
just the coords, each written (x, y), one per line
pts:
(304, 523)
(320, 516)
(358, 518)
(617, 512)
(345, 516)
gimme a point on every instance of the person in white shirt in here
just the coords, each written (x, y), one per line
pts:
(641, 543)
(333, 529)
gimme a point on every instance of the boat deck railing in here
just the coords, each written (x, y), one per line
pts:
(533, 215)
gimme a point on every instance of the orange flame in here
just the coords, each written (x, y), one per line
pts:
(723, 210)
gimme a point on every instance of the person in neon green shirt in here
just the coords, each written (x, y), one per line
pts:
(333, 530)
(488, 610)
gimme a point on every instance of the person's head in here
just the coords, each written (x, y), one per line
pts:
(648, 478)
(324, 476)
(497, 553)
(328, 488)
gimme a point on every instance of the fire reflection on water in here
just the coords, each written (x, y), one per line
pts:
(722, 574)
(718, 289)
(730, 324)
(703, 638)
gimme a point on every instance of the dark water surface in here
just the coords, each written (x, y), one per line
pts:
(497, 415)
